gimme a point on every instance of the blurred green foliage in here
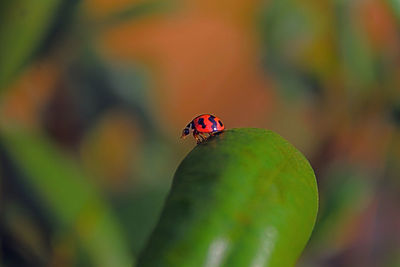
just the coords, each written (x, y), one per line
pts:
(72, 204)
(24, 24)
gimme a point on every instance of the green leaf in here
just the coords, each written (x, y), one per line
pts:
(71, 202)
(395, 7)
(23, 24)
(243, 198)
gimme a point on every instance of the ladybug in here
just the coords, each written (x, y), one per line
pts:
(202, 125)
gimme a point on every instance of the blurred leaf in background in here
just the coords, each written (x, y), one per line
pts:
(23, 26)
(69, 202)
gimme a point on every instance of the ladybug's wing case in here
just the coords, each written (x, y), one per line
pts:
(220, 125)
(207, 124)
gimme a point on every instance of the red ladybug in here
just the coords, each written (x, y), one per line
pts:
(202, 125)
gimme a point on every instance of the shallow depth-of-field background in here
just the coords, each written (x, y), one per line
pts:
(94, 95)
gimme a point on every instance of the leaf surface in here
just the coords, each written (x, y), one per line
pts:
(243, 198)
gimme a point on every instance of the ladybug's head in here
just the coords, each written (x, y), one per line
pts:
(185, 132)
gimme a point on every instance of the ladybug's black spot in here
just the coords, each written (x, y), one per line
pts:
(186, 131)
(214, 123)
(220, 123)
(201, 122)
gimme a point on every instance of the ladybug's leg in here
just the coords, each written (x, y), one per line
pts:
(212, 134)
(203, 135)
(215, 133)
(200, 139)
(196, 136)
